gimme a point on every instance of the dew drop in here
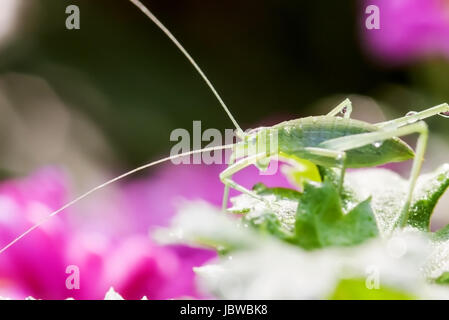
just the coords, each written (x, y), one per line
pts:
(377, 144)
(410, 114)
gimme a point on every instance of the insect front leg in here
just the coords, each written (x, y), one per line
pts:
(345, 107)
(442, 109)
(226, 177)
(338, 156)
(362, 139)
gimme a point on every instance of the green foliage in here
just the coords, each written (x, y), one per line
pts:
(428, 191)
(388, 190)
(443, 279)
(368, 206)
(312, 219)
(356, 289)
(318, 233)
(321, 222)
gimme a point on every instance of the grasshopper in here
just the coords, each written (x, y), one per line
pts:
(330, 140)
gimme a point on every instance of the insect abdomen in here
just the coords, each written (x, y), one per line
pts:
(311, 131)
(296, 135)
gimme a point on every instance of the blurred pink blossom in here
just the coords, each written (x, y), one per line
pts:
(130, 262)
(153, 201)
(409, 30)
(34, 266)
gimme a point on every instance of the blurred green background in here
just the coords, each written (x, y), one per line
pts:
(270, 60)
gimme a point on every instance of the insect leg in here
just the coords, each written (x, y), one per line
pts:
(226, 175)
(227, 187)
(345, 107)
(362, 139)
(442, 109)
(339, 156)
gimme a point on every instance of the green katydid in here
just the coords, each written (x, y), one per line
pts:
(328, 140)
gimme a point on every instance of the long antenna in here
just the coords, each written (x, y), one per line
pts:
(156, 21)
(101, 186)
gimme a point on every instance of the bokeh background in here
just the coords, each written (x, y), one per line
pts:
(100, 100)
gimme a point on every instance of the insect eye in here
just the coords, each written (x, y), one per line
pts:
(445, 114)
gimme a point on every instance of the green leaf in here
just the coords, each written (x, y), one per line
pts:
(268, 223)
(443, 279)
(321, 222)
(442, 234)
(347, 195)
(279, 193)
(388, 191)
(356, 289)
(277, 219)
(429, 189)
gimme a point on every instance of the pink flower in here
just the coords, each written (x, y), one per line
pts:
(138, 267)
(36, 265)
(409, 30)
(130, 262)
(153, 201)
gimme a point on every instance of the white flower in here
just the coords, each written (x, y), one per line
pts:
(112, 295)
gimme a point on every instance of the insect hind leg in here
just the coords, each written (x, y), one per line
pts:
(359, 140)
(225, 200)
(442, 109)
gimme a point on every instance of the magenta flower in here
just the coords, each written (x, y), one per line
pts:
(140, 268)
(36, 265)
(152, 201)
(130, 262)
(409, 30)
